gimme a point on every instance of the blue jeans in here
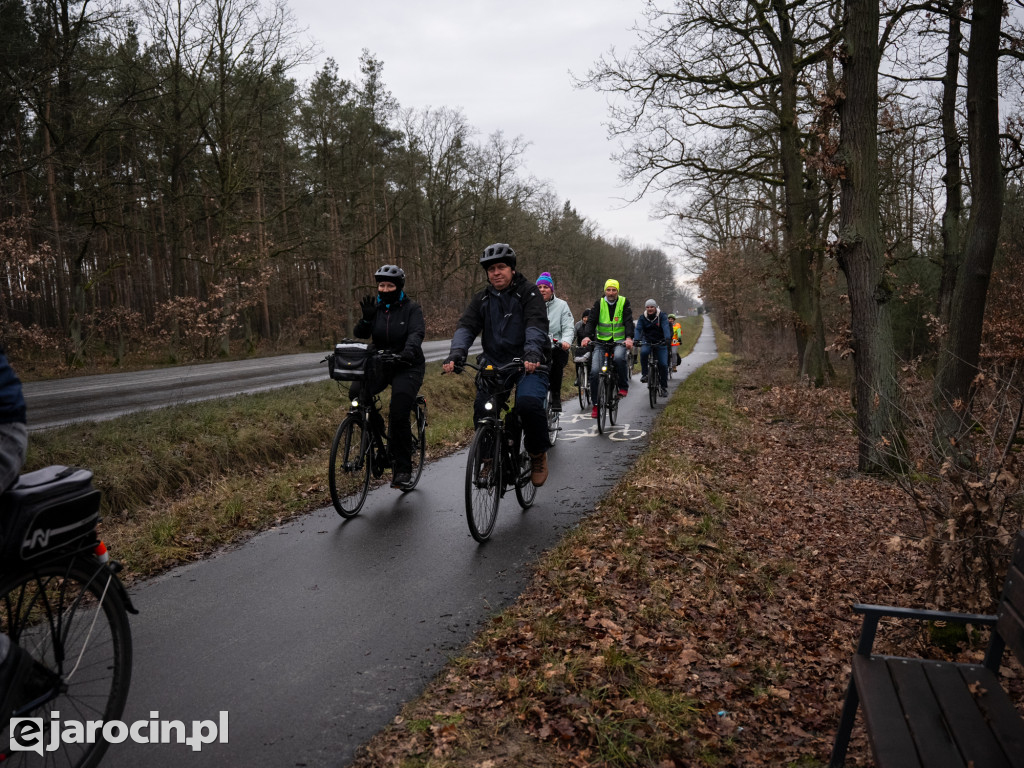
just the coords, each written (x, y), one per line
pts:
(531, 392)
(662, 352)
(618, 361)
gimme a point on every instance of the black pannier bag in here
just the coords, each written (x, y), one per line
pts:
(348, 363)
(45, 511)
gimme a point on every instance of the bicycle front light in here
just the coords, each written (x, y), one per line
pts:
(355, 403)
(604, 369)
(488, 406)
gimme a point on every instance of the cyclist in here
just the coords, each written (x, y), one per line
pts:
(560, 329)
(394, 323)
(653, 328)
(677, 339)
(577, 340)
(510, 317)
(611, 319)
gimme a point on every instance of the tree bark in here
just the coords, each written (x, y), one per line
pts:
(951, 253)
(861, 251)
(958, 358)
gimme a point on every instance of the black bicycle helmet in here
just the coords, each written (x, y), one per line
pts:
(391, 273)
(499, 253)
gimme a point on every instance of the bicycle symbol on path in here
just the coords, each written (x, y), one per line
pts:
(619, 432)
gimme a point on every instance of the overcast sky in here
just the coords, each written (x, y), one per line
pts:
(507, 66)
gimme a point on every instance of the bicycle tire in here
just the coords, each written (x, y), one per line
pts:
(583, 379)
(553, 417)
(526, 491)
(602, 405)
(483, 488)
(652, 391)
(613, 402)
(71, 618)
(350, 466)
(419, 445)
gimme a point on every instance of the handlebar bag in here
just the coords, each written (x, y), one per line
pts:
(348, 363)
(47, 510)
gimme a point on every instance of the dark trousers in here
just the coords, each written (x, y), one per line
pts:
(559, 359)
(405, 385)
(530, 393)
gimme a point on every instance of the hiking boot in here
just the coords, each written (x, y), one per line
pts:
(576, 383)
(556, 403)
(643, 379)
(663, 392)
(402, 480)
(623, 392)
(593, 413)
(538, 468)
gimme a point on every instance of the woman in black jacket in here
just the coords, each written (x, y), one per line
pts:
(393, 322)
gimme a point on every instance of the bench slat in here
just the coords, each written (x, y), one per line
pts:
(970, 731)
(997, 708)
(883, 715)
(935, 745)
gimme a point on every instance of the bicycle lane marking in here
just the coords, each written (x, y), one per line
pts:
(618, 433)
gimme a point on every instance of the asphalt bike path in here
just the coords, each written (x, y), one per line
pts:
(312, 634)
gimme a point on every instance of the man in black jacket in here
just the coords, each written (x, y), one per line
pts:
(512, 321)
(394, 323)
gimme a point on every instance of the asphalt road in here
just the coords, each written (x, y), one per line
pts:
(311, 635)
(107, 396)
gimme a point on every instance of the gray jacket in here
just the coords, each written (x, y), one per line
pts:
(560, 323)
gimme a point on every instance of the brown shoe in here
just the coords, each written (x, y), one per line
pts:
(538, 468)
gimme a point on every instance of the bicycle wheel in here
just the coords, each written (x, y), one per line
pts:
(351, 464)
(652, 390)
(71, 620)
(581, 385)
(419, 444)
(553, 417)
(526, 491)
(602, 404)
(483, 482)
(613, 401)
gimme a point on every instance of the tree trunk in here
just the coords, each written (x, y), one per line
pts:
(958, 358)
(951, 149)
(861, 251)
(804, 276)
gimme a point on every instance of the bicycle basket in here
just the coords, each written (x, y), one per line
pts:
(45, 511)
(348, 362)
(581, 354)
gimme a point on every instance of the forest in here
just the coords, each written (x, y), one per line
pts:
(169, 189)
(848, 177)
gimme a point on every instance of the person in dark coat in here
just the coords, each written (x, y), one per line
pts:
(394, 323)
(511, 319)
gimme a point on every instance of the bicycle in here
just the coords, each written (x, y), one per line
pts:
(360, 448)
(608, 388)
(498, 459)
(64, 607)
(582, 361)
(653, 372)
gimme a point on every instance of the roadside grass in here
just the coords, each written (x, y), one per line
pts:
(181, 482)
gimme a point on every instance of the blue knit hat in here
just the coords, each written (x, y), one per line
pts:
(545, 279)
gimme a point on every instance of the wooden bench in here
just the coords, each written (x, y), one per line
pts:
(922, 712)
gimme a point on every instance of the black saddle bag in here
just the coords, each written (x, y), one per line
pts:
(46, 511)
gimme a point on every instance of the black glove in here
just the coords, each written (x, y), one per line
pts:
(533, 357)
(459, 360)
(408, 357)
(369, 307)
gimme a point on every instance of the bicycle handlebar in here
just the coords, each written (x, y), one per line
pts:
(490, 370)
